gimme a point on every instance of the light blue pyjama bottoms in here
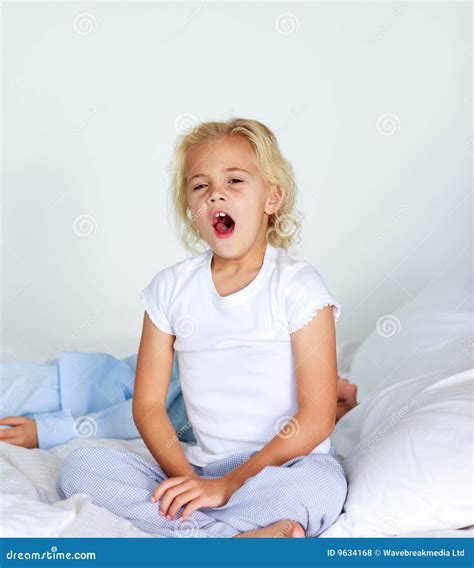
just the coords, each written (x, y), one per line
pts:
(310, 490)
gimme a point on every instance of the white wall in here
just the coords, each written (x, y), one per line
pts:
(90, 119)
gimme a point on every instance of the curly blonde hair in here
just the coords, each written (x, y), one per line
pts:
(283, 226)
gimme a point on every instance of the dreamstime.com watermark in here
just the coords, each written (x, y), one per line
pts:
(52, 554)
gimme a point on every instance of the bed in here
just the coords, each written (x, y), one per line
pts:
(407, 447)
(31, 507)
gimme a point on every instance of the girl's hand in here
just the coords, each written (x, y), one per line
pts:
(24, 432)
(193, 490)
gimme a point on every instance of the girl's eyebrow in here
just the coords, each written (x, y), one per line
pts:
(233, 169)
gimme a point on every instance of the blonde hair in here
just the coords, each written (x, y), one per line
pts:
(284, 225)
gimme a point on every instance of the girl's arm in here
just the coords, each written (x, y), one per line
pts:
(152, 381)
(314, 348)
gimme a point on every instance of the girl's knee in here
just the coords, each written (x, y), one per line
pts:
(333, 483)
(329, 503)
(323, 490)
(81, 458)
(68, 477)
(337, 493)
(73, 474)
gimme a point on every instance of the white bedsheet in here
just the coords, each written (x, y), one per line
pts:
(30, 506)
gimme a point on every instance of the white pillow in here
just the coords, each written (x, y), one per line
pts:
(346, 349)
(407, 453)
(432, 334)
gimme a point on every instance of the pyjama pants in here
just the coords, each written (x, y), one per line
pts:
(310, 490)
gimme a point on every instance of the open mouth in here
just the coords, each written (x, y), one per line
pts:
(223, 225)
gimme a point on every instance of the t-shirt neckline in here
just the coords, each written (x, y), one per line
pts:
(247, 291)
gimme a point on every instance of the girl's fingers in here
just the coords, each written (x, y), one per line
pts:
(181, 500)
(194, 505)
(170, 494)
(166, 484)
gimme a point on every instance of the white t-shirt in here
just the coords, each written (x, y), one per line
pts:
(235, 359)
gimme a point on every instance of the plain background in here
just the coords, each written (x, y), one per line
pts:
(371, 103)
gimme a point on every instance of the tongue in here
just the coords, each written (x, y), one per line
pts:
(222, 227)
(225, 224)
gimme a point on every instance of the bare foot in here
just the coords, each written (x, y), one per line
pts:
(282, 529)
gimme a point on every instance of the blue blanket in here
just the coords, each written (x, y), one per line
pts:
(82, 395)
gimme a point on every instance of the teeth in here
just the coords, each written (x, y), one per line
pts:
(219, 215)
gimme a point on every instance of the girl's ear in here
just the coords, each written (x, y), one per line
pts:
(274, 200)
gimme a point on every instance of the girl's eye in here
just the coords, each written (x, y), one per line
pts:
(202, 184)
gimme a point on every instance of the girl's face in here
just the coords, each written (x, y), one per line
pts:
(222, 176)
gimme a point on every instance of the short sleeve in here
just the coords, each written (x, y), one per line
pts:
(305, 294)
(156, 299)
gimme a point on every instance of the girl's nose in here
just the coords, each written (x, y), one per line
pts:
(215, 194)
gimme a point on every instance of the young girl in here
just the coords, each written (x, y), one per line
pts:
(254, 332)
